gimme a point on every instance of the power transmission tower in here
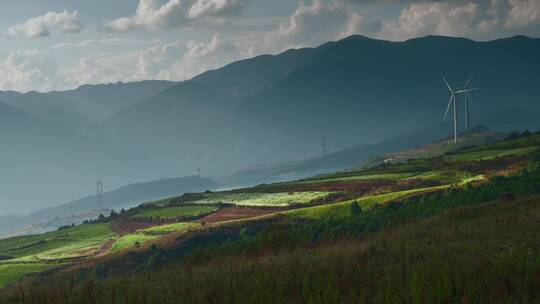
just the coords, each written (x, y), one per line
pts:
(99, 195)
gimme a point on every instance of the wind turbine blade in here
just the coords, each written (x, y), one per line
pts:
(448, 108)
(469, 81)
(446, 82)
(469, 97)
(466, 91)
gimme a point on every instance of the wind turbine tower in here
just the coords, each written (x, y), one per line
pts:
(468, 99)
(453, 102)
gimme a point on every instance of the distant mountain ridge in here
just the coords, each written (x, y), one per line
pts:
(81, 108)
(123, 197)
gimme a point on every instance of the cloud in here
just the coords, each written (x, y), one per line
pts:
(180, 60)
(523, 13)
(151, 14)
(316, 22)
(25, 70)
(319, 22)
(91, 70)
(107, 42)
(45, 25)
(474, 19)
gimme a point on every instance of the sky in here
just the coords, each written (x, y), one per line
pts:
(61, 44)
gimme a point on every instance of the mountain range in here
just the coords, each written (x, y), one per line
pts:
(263, 111)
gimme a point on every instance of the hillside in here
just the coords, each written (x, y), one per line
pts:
(486, 195)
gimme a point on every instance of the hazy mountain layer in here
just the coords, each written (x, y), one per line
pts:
(262, 111)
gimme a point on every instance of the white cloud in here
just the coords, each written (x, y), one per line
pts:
(435, 18)
(523, 13)
(217, 8)
(26, 70)
(474, 19)
(92, 70)
(151, 14)
(179, 60)
(317, 23)
(35, 70)
(45, 25)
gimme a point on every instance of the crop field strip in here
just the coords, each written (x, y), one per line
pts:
(262, 199)
(173, 212)
(148, 234)
(380, 176)
(57, 244)
(491, 154)
(366, 203)
(37, 253)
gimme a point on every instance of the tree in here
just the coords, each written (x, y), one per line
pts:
(356, 209)
(512, 135)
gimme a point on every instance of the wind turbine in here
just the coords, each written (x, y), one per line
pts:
(453, 101)
(468, 99)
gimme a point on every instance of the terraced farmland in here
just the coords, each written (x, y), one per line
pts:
(221, 216)
(65, 243)
(35, 253)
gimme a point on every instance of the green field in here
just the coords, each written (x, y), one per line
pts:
(60, 244)
(342, 209)
(262, 199)
(166, 229)
(12, 272)
(379, 176)
(183, 211)
(523, 142)
(490, 154)
(129, 240)
(148, 234)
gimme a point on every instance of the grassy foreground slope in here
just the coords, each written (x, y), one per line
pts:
(470, 252)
